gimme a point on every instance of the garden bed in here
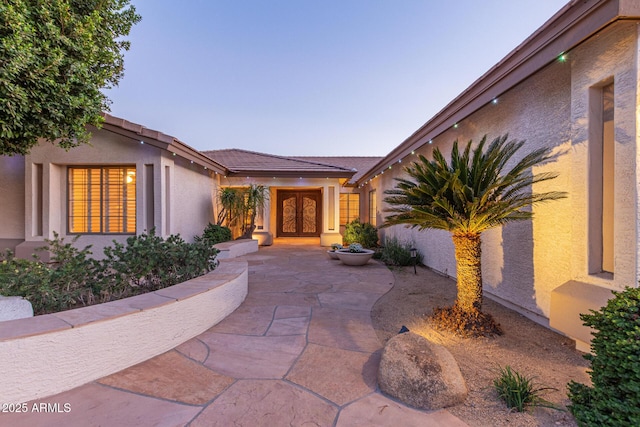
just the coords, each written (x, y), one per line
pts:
(525, 346)
(48, 354)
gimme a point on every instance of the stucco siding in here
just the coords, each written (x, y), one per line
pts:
(192, 195)
(12, 205)
(172, 194)
(524, 262)
(610, 57)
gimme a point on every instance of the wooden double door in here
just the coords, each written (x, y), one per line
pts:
(299, 213)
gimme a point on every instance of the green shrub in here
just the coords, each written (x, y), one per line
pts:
(518, 391)
(357, 232)
(146, 263)
(64, 283)
(395, 252)
(614, 398)
(214, 234)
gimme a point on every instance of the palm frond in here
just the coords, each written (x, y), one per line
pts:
(472, 192)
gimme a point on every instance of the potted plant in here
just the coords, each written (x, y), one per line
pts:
(334, 248)
(355, 254)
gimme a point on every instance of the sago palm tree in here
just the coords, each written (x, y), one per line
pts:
(467, 196)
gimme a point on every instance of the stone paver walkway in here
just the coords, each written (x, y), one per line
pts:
(300, 351)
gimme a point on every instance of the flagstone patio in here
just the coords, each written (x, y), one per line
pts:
(301, 350)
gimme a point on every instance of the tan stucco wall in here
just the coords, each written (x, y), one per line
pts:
(612, 56)
(192, 199)
(524, 262)
(181, 204)
(12, 190)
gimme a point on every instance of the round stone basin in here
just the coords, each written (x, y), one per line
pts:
(354, 258)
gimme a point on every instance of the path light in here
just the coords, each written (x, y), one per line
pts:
(414, 256)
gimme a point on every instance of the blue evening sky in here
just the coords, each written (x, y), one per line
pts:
(311, 77)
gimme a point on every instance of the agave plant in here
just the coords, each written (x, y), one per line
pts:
(467, 196)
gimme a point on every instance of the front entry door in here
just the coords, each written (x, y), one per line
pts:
(299, 213)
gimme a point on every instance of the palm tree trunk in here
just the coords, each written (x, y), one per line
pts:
(469, 273)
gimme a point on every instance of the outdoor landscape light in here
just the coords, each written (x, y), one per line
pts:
(414, 256)
(494, 101)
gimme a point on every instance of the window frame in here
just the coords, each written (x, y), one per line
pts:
(123, 201)
(349, 202)
(373, 219)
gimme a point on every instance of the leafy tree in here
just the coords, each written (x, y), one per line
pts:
(466, 197)
(55, 57)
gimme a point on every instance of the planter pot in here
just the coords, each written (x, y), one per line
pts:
(354, 258)
(332, 254)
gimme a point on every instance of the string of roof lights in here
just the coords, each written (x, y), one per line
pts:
(562, 57)
(455, 125)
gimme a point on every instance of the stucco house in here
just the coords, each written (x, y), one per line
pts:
(572, 86)
(307, 196)
(127, 181)
(131, 179)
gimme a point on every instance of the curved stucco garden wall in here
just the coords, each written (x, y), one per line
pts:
(49, 354)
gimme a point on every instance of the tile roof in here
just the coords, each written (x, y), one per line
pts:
(360, 163)
(138, 133)
(251, 163)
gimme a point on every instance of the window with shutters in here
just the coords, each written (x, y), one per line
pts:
(102, 200)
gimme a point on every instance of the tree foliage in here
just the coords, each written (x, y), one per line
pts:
(55, 57)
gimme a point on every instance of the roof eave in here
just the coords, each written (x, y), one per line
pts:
(288, 174)
(570, 26)
(160, 140)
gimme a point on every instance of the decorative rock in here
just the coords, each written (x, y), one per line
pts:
(14, 308)
(420, 373)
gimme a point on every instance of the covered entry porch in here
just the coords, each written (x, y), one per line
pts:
(302, 194)
(307, 212)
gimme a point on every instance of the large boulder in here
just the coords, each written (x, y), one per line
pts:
(420, 373)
